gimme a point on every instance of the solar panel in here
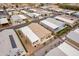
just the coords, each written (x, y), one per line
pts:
(12, 41)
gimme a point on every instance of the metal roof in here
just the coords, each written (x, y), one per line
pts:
(67, 18)
(33, 14)
(29, 33)
(18, 17)
(39, 30)
(23, 11)
(56, 22)
(6, 43)
(55, 52)
(3, 20)
(76, 14)
(68, 50)
(74, 35)
(45, 22)
(63, 50)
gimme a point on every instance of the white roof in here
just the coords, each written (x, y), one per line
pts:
(56, 9)
(19, 8)
(55, 52)
(30, 14)
(51, 25)
(36, 14)
(43, 12)
(44, 7)
(55, 21)
(33, 10)
(74, 35)
(68, 50)
(10, 9)
(28, 32)
(5, 43)
(76, 14)
(77, 31)
(22, 16)
(3, 20)
(18, 17)
(33, 14)
(68, 11)
(23, 11)
(63, 50)
(10, 13)
(1, 10)
(65, 20)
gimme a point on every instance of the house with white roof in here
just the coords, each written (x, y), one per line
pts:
(55, 9)
(18, 18)
(4, 21)
(53, 24)
(10, 9)
(20, 8)
(33, 10)
(63, 50)
(32, 38)
(44, 12)
(13, 12)
(33, 15)
(23, 11)
(68, 12)
(45, 7)
(10, 44)
(73, 38)
(76, 14)
(70, 20)
(3, 14)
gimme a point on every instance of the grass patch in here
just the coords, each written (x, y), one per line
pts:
(65, 30)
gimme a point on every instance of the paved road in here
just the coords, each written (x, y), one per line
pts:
(48, 47)
(14, 27)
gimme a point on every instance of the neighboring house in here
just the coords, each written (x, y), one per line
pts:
(53, 24)
(3, 14)
(70, 20)
(17, 19)
(63, 50)
(44, 12)
(10, 44)
(68, 12)
(55, 9)
(76, 14)
(33, 15)
(4, 21)
(33, 36)
(73, 38)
